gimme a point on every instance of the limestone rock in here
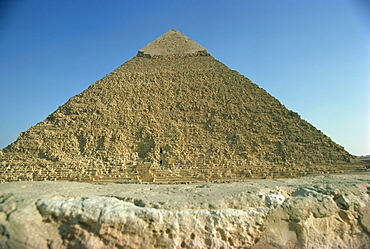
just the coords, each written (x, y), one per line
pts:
(310, 212)
(178, 115)
(172, 43)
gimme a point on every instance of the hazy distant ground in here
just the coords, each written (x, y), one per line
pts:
(366, 159)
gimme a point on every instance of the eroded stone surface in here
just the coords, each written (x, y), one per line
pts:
(172, 118)
(310, 212)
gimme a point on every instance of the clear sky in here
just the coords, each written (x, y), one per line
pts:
(312, 55)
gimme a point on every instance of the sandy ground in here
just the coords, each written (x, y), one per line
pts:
(182, 196)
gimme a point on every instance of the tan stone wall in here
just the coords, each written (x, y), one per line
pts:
(175, 112)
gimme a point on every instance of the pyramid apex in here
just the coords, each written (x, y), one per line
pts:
(172, 42)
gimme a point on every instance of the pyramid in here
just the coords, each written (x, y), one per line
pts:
(172, 113)
(172, 43)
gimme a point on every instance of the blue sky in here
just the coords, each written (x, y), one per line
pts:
(312, 55)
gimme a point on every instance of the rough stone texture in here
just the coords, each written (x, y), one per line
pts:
(178, 117)
(310, 212)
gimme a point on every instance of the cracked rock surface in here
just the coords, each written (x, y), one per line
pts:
(311, 212)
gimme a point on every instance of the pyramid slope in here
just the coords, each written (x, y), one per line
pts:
(171, 118)
(172, 43)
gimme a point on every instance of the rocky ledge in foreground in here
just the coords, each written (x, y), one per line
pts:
(311, 212)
